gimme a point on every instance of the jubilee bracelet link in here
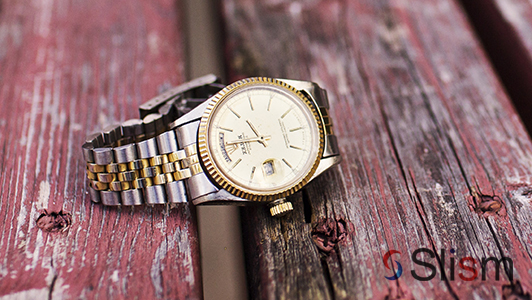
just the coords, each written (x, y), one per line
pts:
(139, 161)
(156, 159)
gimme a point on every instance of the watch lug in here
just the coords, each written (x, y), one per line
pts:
(194, 115)
(221, 197)
(326, 163)
(318, 95)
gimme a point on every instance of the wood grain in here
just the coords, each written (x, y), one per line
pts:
(68, 68)
(505, 28)
(434, 154)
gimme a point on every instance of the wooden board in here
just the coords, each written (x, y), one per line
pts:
(505, 28)
(68, 68)
(434, 154)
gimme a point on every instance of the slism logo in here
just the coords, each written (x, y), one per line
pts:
(385, 260)
(466, 268)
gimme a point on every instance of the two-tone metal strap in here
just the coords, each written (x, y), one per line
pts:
(138, 161)
(151, 171)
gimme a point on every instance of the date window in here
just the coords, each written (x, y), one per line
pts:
(268, 168)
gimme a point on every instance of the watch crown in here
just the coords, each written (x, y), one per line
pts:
(280, 207)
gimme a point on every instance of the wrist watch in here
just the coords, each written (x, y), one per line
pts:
(257, 140)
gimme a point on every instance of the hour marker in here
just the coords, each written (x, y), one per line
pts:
(296, 129)
(295, 147)
(270, 103)
(237, 115)
(226, 129)
(289, 165)
(236, 163)
(284, 115)
(250, 104)
(252, 173)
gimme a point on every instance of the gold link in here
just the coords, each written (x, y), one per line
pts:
(139, 164)
(128, 175)
(169, 168)
(169, 177)
(191, 150)
(142, 183)
(159, 160)
(187, 162)
(150, 171)
(159, 179)
(115, 168)
(99, 186)
(111, 168)
(106, 177)
(94, 168)
(177, 166)
(119, 186)
(178, 155)
(182, 174)
(195, 169)
(91, 176)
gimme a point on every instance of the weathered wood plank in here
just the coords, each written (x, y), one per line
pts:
(505, 28)
(434, 154)
(67, 69)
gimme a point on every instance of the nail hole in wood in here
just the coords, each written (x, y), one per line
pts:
(54, 221)
(488, 205)
(327, 233)
(514, 291)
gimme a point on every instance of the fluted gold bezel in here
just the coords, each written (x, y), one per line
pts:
(207, 159)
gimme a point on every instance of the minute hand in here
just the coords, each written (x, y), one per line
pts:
(253, 139)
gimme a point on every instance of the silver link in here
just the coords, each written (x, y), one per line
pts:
(127, 176)
(155, 194)
(199, 185)
(169, 168)
(96, 139)
(167, 142)
(147, 148)
(132, 128)
(103, 156)
(94, 136)
(125, 153)
(187, 134)
(176, 192)
(88, 154)
(153, 123)
(111, 133)
(141, 182)
(95, 195)
(149, 171)
(110, 198)
(136, 164)
(132, 197)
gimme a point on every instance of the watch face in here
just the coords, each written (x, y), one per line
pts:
(260, 139)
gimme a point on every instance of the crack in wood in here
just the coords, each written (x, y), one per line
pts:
(307, 207)
(54, 279)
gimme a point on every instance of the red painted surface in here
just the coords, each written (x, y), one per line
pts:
(68, 68)
(434, 154)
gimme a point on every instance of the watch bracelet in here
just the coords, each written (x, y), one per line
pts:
(139, 162)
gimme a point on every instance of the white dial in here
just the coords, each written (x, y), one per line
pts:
(263, 138)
